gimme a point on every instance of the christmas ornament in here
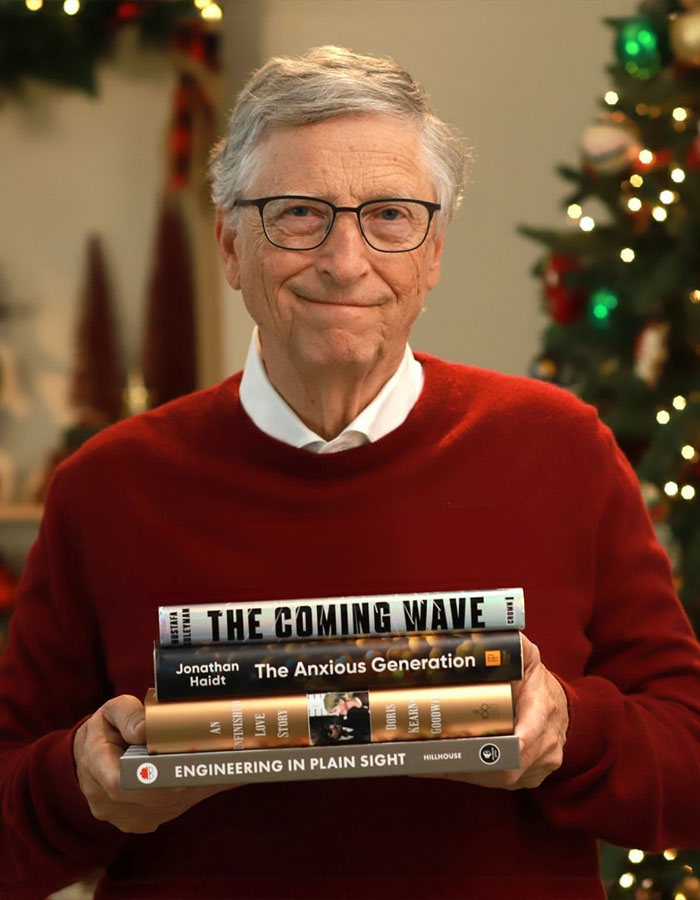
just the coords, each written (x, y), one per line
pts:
(637, 48)
(684, 35)
(565, 303)
(601, 304)
(651, 352)
(611, 146)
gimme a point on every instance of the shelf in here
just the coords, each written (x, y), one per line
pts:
(21, 512)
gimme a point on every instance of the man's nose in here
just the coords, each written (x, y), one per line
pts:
(344, 255)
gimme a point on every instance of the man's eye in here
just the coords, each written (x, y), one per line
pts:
(300, 211)
(390, 214)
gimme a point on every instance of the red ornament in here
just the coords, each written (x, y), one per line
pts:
(565, 303)
(126, 12)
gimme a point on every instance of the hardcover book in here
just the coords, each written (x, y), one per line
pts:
(141, 770)
(328, 718)
(338, 617)
(233, 670)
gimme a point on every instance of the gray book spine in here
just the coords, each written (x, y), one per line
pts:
(141, 770)
(339, 617)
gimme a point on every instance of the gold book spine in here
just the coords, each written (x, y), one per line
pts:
(331, 718)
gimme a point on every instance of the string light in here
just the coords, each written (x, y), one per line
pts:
(679, 896)
(634, 204)
(635, 856)
(641, 109)
(667, 196)
(71, 7)
(663, 417)
(687, 451)
(670, 854)
(611, 98)
(679, 402)
(586, 223)
(574, 211)
(695, 296)
(646, 157)
(636, 181)
(671, 489)
(659, 213)
(677, 175)
(33, 5)
(680, 114)
(687, 492)
(627, 254)
(200, 4)
(626, 880)
(212, 12)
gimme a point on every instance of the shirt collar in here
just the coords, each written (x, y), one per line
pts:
(277, 419)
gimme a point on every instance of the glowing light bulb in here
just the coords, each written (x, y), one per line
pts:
(636, 181)
(611, 98)
(634, 204)
(663, 417)
(687, 492)
(687, 451)
(667, 196)
(71, 7)
(680, 114)
(212, 12)
(33, 5)
(646, 157)
(635, 856)
(641, 109)
(679, 402)
(677, 175)
(679, 896)
(695, 296)
(626, 880)
(670, 854)
(659, 213)
(586, 223)
(574, 211)
(200, 4)
(627, 254)
(671, 489)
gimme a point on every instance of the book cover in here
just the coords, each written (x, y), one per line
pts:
(328, 718)
(141, 770)
(232, 670)
(338, 617)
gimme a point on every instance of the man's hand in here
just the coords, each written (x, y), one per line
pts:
(541, 720)
(98, 744)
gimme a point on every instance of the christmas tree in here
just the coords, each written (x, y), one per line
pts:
(621, 286)
(621, 281)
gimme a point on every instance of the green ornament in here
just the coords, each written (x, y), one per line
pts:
(601, 304)
(638, 48)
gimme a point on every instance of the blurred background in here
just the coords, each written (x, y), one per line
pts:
(111, 295)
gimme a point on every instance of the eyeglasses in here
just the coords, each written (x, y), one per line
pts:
(303, 223)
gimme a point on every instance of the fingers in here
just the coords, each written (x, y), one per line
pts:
(126, 714)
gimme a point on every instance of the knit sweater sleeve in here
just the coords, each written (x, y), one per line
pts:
(51, 678)
(631, 770)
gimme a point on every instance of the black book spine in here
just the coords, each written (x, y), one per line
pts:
(243, 670)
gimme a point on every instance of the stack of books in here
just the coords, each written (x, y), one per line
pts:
(340, 687)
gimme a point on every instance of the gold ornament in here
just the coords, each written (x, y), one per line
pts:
(684, 34)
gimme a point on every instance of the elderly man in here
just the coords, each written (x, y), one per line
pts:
(341, 463)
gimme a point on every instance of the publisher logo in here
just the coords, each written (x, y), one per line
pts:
(147, 773)
(489, 754)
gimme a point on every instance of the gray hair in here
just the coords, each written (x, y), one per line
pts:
(323, 83)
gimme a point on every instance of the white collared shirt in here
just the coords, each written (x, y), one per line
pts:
(276, 418)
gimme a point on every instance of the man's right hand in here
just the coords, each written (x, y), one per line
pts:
(98, 744)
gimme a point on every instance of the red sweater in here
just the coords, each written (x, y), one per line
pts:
(492, 481)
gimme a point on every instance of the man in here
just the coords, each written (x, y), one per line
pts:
(343, 464)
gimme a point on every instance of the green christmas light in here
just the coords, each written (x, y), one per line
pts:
(603, 301)
(637, 49)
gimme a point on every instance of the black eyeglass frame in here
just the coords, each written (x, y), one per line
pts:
(261, 202)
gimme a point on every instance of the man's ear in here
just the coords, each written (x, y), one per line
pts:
(226, 234)
(434, 261)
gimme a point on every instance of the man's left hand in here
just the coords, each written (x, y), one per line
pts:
(541, 721)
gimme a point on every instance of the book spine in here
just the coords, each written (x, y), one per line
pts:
(140, 770)
(338, 617)
(338, 717)
(233, 670)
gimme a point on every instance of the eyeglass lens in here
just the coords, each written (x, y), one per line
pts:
(387, 225)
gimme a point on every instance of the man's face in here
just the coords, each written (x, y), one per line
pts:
(342, 305)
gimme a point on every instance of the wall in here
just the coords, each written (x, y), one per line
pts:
(521, 79)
